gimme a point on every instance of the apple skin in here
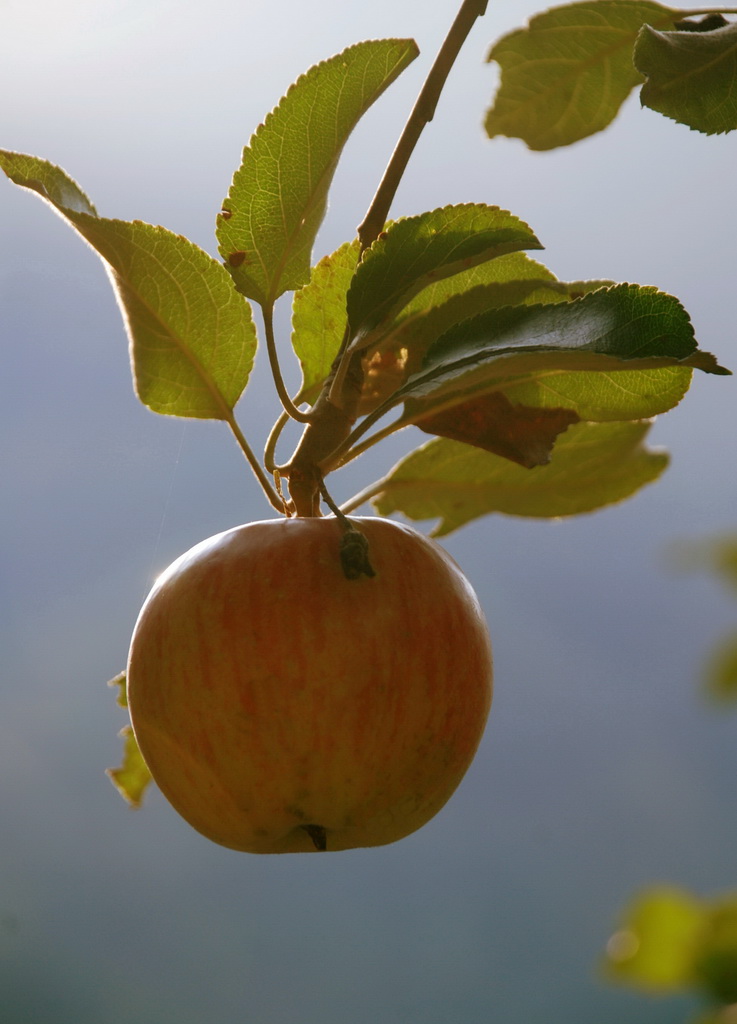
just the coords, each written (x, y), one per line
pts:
(283, 708)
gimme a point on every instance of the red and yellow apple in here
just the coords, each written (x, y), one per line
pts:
(282, 707)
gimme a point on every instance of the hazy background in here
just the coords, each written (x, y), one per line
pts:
(602, 769)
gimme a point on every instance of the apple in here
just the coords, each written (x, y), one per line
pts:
(282, 707)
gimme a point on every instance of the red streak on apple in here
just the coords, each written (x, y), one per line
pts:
(283, 708)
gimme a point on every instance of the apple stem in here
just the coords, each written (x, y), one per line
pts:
(318, 835)
(354, 546)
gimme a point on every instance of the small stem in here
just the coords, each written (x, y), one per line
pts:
(271, 442)
(386, 431)
(422, 114)
(255, 465)
(354, 547)
(363, 496)
(289, 407)
(336, 457)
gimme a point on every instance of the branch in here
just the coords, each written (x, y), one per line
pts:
(422, 113)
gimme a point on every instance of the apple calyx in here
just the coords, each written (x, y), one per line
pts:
(318, 835)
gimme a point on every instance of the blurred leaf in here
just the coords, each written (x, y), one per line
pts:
(726, 1015)
(691, 76)
(721, 672)
(192, 335)
(716, 960)
(417, 251)
(565, 76)
(713, 554)
(660, 937)
(122, 695)
(592, 465)
(132, 778)
(278, 196)
(319, 316)
(723, 558)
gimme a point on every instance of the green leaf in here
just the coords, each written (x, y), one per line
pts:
(420, 325)
(132, 778)
(691, 76)
(192, 335)
(508, 269)
(603, 395)
(592, 465)
(656, 947)
(319, 316)
(617, 328)
(417, 251)
(565, 76)
(277, 200)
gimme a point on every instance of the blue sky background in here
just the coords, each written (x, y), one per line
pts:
(602, 770)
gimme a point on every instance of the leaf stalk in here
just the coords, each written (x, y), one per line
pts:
(289, 407)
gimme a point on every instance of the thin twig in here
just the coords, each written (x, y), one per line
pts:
(422, 113)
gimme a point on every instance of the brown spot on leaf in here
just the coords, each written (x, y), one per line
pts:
(524, 434)
(226, 214)
(236, 258)
(383, 373)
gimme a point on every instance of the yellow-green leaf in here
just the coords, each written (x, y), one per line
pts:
(319, 316)
(592, 465)
(277, 200)
(132, 778)
(192, 336)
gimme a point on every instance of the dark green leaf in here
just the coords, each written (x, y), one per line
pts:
(192, 335)
(592, 465)
(277, 200)
(417, 251)
(565, 76)
(691, 76)
(319, 316)
(400, 346)
(656, 946)
(420, 326)
(623, 327)
(132, 778)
